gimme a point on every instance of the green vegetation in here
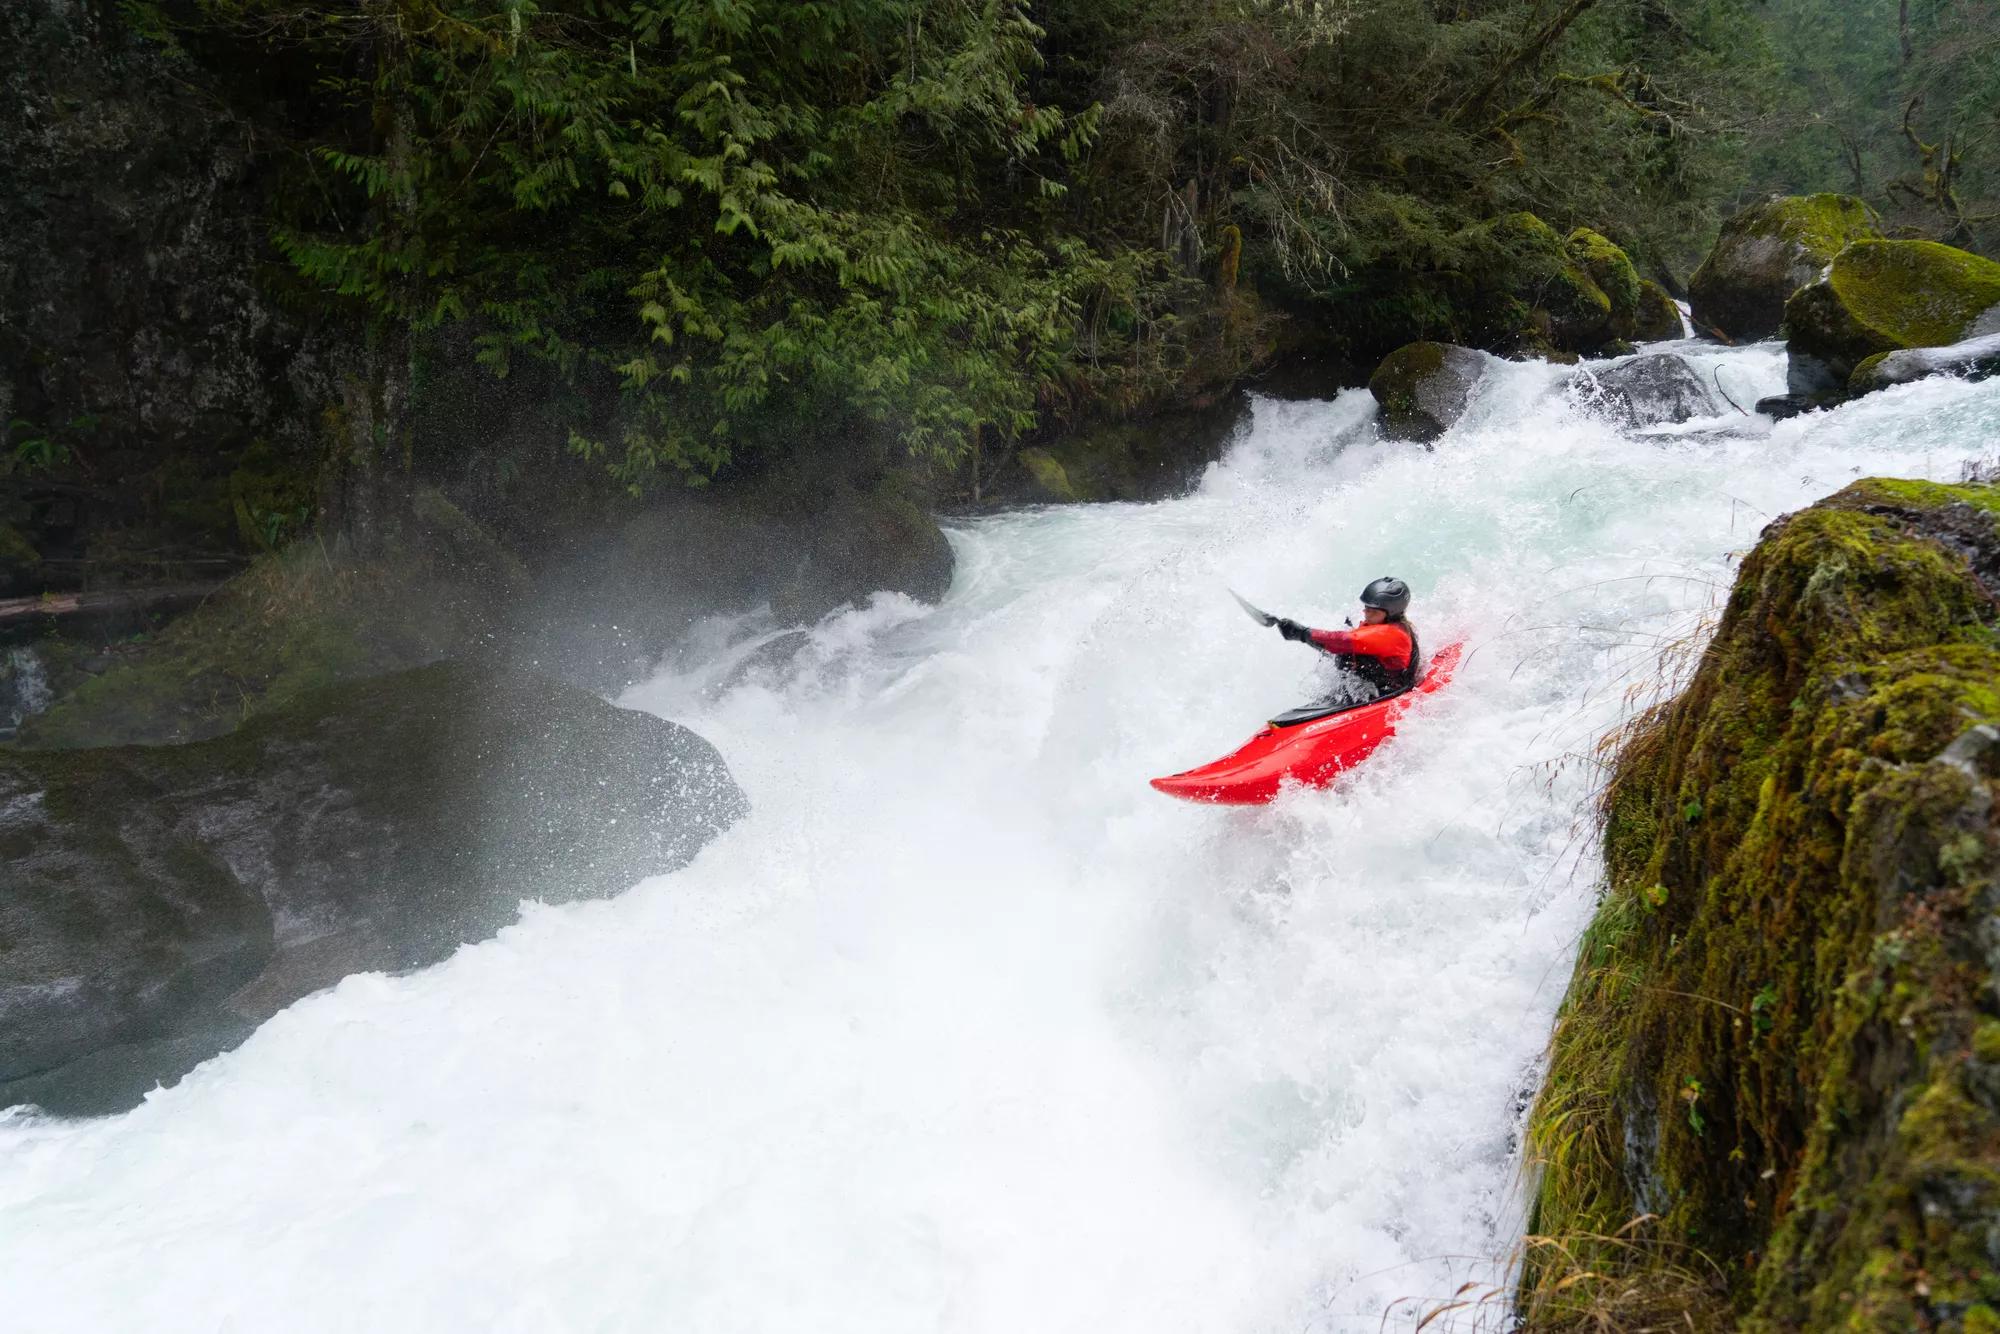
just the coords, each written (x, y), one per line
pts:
(715, 228)
(1892, 100)
(1773, 1039)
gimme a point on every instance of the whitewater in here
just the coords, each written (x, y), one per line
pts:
(965, 1028)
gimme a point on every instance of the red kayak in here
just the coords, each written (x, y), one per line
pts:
(1311, 752)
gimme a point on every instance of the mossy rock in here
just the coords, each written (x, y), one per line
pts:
(1775, 1039)
(1883, 296)
(1659, 319)
(1973, 359)
(297, 620)
(1049, 475)
(162, 900)
(1144, 458)
(1536, 293)
(1768, 251)
(1612, 270)
(1423, 388)
(20, 563)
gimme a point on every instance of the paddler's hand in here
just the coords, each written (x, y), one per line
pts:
(1293, 631)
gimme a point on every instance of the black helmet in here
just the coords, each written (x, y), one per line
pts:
(1391, 595)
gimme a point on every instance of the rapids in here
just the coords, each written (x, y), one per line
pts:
(966, 1028)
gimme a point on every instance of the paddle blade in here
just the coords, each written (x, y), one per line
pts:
(1261, 617)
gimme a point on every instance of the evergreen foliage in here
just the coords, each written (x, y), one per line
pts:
(727, 223)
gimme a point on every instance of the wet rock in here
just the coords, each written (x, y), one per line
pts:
(160, 900)
(1884, 296)
(1972, 359)
(1658, 318)
(134, 333)
(1650, 390)
(1797, 954)
(1423, 388)
(1766, 253)
(1779, 407)
(1142, 458)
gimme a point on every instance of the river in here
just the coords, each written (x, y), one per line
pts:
(967, 1029)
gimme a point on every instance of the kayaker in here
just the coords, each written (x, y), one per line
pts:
(1381, 653)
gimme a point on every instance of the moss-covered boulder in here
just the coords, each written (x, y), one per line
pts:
(1659, 319)
(1143, 458)
(1535, 295)
(1779, 1039)
(297, 620)
(1767, 252)
(1422, 388)
(161, 901)
(1611, 270)
(1883, 296)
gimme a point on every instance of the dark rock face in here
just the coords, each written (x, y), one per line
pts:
(1807, 840)
(1658, 319)
(1767, 252)
(1650, 390)
(132, 332)
(1424, 387)
(161, 901)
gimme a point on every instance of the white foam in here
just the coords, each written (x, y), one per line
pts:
(965, 1028)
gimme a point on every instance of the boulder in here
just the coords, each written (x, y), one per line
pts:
(1142, 458)
(296, 620)
(162, 901)
(1537, 295)
(1807, 839)
(1649, 390)
(1659, 318)
(1611, 269)
(1424, 387)
(1767, 252)
(1884, 296)
(1972, 359)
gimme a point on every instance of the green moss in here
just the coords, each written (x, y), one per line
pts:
(1773, 1019)
(1048, 473)
(1610, 268)
(1396, 380)
(296, 621)
(1823, 223)
(18, 557)
(1914, 293)
(1658, 318)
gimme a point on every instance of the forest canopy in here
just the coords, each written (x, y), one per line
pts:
(719, 224)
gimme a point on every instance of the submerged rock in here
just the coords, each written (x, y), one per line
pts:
(1650, 390)
(1973, 359)
(1424, 387)
(1778, 1036)
(1767, 252)
(1884, 296)
(161, 901)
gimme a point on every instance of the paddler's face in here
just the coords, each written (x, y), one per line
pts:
(1373, 616)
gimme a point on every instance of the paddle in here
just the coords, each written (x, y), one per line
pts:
(1263, 618)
